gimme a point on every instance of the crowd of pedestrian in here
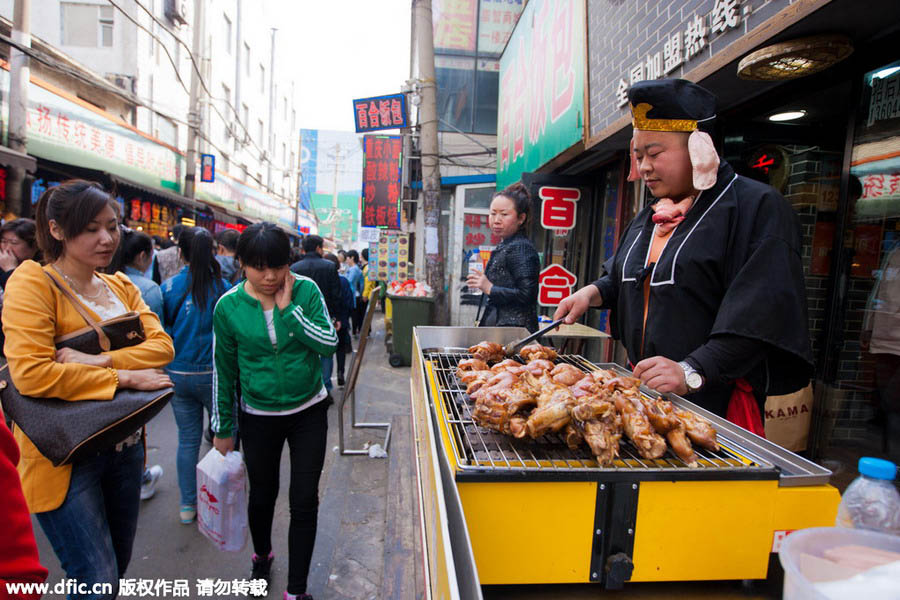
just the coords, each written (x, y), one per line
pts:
(242, 333)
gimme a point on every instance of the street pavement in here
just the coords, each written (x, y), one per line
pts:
(367, 538)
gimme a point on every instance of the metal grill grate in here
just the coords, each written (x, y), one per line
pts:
(481, 449)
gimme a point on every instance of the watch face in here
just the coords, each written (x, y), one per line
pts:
(693, 380)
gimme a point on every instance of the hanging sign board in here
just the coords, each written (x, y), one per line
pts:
(380, 112)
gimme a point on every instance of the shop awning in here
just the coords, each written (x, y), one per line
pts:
(158, 193)
(14, 158)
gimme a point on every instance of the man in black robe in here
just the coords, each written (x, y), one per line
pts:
(706, 286)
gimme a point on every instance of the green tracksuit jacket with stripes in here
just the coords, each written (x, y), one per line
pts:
(271, 378)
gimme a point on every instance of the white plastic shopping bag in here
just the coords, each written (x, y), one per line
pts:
(222, 500)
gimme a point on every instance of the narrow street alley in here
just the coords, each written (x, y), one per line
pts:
(367, 511)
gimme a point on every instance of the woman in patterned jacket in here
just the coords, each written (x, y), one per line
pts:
(510, 280)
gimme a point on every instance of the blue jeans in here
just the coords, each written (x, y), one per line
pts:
(93, 531)
(327, 367)
(193, 393)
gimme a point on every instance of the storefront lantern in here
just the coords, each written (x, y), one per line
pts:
(554, 284)
(558, 207)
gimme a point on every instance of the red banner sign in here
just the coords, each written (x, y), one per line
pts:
(381, 181)
(554, 283)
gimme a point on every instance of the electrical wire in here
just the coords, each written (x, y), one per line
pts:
(263, 154)
(196, 67)
(63, 68)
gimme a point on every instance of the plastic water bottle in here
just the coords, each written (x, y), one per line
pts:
(872, 501)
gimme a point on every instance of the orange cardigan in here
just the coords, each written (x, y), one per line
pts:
(35, 312)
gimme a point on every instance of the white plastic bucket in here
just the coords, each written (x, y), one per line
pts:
(800, 585)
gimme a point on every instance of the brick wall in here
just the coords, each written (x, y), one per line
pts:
(622, 33)
(849, 406)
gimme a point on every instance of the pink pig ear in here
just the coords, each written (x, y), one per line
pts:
(704, 159)
(633, 174)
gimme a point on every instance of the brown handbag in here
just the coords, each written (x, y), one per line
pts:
(67, 431)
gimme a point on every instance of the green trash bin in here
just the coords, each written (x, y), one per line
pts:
(407, 312)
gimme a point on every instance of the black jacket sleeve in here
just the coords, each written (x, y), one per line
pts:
(725, 358)
(524, 266)
(333, 295)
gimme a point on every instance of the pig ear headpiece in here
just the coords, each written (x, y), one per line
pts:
(678, 105)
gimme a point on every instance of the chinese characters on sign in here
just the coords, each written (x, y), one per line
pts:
(681, 46)
(495, 24)
(881, 185)
(885, 102)
(381, 181)
(541, 88)
(558, 207)
(382, 112)
(454, 25)
(48, 124)
(554, 284)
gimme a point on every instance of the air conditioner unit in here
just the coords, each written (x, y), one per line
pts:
(178, 10)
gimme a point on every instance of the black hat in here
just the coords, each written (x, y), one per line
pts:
(671, 105)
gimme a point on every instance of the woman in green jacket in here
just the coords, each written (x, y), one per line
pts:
(269, 332)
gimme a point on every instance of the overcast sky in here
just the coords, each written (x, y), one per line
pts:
(344, 49)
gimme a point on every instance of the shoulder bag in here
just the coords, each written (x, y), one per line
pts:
(67, 431)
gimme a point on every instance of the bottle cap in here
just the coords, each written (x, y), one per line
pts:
(877, 468)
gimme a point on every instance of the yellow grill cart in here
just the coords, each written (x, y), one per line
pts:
(499, 510)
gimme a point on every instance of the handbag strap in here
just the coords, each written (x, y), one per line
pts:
(79, 307)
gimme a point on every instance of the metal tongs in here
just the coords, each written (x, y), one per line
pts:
(513, 348)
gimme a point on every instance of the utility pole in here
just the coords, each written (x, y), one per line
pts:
(20, 75)
(194, 114)
(431, 173)
(337, 168)
(271, 144)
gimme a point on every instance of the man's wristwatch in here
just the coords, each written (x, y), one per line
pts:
(692, 378)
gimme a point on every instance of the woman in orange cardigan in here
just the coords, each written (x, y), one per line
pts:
(87, 510)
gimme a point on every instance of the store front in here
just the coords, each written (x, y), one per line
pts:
(839, 169)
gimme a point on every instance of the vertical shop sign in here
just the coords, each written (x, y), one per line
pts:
(207, 168)
(454, 25)
(559, 205)
(554, 284)
(381, 181)
(541, 99)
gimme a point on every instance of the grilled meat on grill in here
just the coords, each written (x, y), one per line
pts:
(699, 430)
(566, 374)
(661, 414)
(595, 408)
(602, 436)
(573, 436)
(473, 380)
(508, 364)
(554, 408)
(538, 366)
(586, 386)
(681, 445)
(637, 427)
(488, 352)
(596, 418)
(471, 364)
(535, 351)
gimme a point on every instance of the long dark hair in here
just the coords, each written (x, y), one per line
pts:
(521, 197)
(196, 245)
(73, 205)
